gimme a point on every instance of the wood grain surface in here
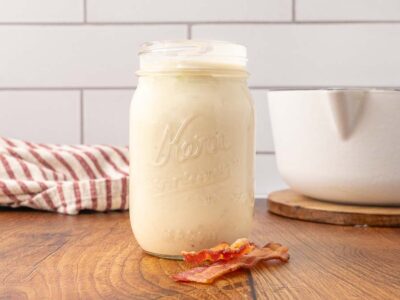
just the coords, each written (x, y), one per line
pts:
(293, 205)
(95, 256)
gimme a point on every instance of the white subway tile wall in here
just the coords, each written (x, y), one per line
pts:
(348, 10)
(75, 56)
(67, 67)
(264, 141)
(267, 176)
(188, 10)
(46, 11)
(41, 116)
(110, 109)
(315, 54)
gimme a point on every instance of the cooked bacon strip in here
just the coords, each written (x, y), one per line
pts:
(221, 252)
(207, 274)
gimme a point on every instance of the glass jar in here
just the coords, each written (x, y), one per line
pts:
(191, 147)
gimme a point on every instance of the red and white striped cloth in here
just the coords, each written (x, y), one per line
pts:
(62, 178)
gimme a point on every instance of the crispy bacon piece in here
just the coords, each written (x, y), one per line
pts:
(207, 274)
(221, 252)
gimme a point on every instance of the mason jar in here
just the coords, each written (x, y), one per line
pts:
(191, 147)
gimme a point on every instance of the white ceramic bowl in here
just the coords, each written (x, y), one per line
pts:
(339, 145)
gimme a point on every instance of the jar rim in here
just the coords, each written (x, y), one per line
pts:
(194, 48)
(189, 55)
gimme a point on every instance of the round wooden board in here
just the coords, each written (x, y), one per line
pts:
(293, 205)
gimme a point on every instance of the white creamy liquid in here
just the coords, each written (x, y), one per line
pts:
(192, 155)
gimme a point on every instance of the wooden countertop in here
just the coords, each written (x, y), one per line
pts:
(95, 256)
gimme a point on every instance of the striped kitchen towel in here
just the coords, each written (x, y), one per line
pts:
(62, 178)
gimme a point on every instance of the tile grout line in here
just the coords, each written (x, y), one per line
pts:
(117, 24)
(82, 107)
(255, 87)
(85, 11)
(321, 87)
(189, 31)
(261, 152)
(66, 88)
(294, 10)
